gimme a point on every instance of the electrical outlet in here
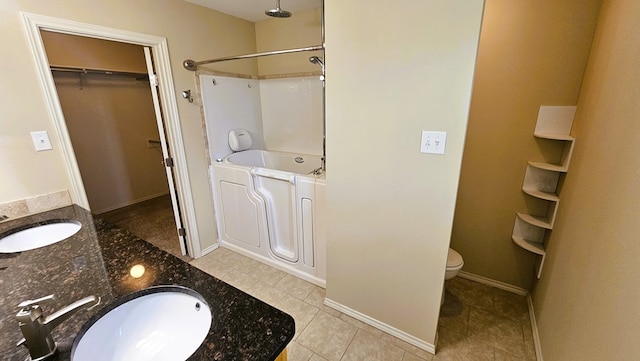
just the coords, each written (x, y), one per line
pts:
(41, 140)
(433, 142)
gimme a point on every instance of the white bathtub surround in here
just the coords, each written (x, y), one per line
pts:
(270, 206)
(292, 114)
(283, 114)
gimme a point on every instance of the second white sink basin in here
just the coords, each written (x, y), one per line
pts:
(38, 235)
(159, 323)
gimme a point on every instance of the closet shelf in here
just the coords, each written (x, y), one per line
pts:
(553, 197)
(549, 166)
(67, 69)
(535, 247)
(538, 221)
(541, 181)
(553, 136)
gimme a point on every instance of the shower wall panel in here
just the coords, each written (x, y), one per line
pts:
(292, 114)
(230, 103)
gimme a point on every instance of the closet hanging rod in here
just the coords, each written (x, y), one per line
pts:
(193, 65)
(96, 71)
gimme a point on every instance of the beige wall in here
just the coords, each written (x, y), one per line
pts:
(531, 53)
(301, 30)
(110, 142)
(587, 300)
(82, 52)
(192, 32)
(390, 208)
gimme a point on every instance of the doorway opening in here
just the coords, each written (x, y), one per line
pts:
(105, 94)
(163, 104)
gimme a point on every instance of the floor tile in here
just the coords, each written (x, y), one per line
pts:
(407, 346)
(151, 220)
(211, 266)
(297, 352)
(316, 298)
(361, 325)
(327, 336)
(267, 274)
(366, 346)
(239, 280)
(453, 346)
(315, 357)
(295, 286)
(301, 312)
(496, 331)
(505, 356)
(411, 357)
(266, 293)
(510, 305)
(245, 264)
(471, 293)
(454, 315)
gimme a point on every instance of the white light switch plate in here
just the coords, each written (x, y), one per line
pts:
(433, 142)
(41, 140)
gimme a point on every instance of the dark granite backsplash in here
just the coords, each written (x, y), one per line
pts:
(96, 261)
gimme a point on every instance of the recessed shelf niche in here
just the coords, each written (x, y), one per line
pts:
(541, 182)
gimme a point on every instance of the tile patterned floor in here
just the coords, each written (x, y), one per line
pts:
(151, 220)
(477, 322)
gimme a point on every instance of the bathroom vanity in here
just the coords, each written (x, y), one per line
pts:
(109, 263)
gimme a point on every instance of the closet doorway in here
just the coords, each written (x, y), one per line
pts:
(113, 118)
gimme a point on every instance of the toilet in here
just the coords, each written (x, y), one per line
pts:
(454, 264)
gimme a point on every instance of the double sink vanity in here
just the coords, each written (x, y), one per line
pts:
(117, 297)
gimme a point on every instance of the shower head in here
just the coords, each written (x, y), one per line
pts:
(277, 12)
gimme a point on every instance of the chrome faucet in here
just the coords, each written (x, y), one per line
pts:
(36, 327)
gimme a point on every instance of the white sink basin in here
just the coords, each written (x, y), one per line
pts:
(168, 324)
(38, 235)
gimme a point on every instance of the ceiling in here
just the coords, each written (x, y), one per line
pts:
(253, 10)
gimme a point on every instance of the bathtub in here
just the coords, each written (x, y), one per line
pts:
(270, 207)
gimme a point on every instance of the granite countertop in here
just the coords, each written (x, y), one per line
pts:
(96, 261)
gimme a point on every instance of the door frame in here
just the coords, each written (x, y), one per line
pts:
(33, 24)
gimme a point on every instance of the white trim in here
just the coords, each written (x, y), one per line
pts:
(33, 23)
(209, 249)
(534, 329)
(431, 348)
(493, 283)
(129, 203)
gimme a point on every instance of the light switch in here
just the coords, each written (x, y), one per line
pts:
(41, 140)
(433, 142)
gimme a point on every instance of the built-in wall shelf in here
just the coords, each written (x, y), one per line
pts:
(541, 182)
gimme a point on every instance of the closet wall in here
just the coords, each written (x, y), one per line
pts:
(110, 120)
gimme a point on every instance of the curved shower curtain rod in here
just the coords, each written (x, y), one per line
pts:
(193, 65)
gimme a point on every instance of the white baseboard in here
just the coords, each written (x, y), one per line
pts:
(534, 329)
(431, 348)
(493, 283)
(129, 203)
(209, 249)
